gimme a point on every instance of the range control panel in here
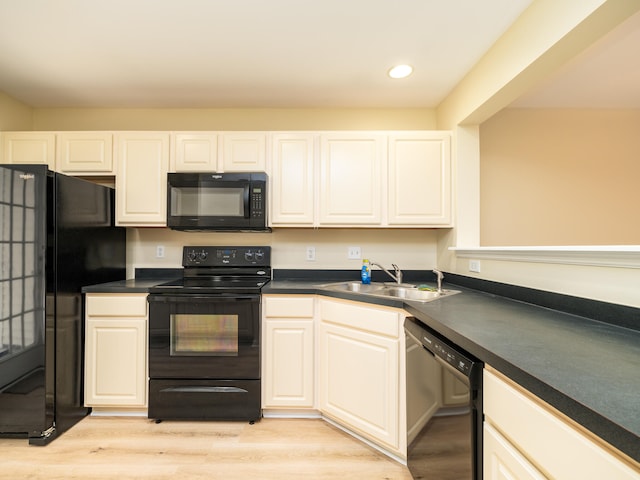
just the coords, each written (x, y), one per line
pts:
(214, 256)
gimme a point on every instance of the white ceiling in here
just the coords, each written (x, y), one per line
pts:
(242, 53)
(280, 53)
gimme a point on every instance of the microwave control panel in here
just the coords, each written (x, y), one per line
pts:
(257, 202)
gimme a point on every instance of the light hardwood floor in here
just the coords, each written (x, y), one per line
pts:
(137, 448)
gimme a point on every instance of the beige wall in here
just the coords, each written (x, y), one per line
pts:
(14, 115)
(234, 119)
(560, 177)
(548, 35)
(409, 249)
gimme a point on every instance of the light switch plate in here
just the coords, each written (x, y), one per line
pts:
(354, 253)
(474, 266)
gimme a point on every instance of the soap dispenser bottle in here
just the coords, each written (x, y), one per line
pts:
(366, 271)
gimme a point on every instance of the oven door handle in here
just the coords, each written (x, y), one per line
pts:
(203, 389)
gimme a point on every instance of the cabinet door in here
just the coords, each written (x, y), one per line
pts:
(351, 188)
(29, 147)
(288, 352)
(244, 151)
(288, 379)
(359, 382)
(142, 160)
(194, 152)
(116, 368)
(419, 176)
(539, 432)
(85, 153)
(292, 180)
(501, 461)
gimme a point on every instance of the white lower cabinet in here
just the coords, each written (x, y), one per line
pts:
(502, 461)
(527, 439)
(361, 358)
(288, 353)
(116, 350)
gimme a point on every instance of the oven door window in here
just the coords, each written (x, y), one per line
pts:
(204, 335)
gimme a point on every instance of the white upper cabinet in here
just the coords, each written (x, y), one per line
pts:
(29, 147)
(419, 179)
(85, 153)
(351, 178)
(361, 179)
(243, 152)
(142, 160)
(194, 152)
(292, 179)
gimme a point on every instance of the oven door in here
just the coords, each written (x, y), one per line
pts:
(204, 336)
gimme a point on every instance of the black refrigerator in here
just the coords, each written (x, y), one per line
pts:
(57, 235)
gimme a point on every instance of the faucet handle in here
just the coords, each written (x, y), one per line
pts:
(398, 272)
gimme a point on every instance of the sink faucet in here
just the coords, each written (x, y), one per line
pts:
(439, 276)
(398, 273)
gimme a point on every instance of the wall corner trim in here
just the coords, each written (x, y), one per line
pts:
(618, 256)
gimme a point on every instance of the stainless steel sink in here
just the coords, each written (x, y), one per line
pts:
(390, 291)
(357, 287)
(412, 293)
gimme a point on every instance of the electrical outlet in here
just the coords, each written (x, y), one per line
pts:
(354, 253)
(160, 251)
(474, 266)
(311, 254)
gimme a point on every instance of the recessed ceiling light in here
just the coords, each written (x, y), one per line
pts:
(401, 71)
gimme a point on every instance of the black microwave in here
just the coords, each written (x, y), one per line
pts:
(217, 201)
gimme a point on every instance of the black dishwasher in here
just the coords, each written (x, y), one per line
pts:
(444, 407)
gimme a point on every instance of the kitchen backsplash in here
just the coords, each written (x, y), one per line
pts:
(409, 249)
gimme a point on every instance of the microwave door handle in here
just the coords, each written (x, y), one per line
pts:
(247, 206)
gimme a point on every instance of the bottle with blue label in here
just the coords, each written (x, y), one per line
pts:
(366, 271)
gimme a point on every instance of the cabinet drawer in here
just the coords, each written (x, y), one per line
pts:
(539, 434)
(375, 320)
(288, 307)
(110, 305)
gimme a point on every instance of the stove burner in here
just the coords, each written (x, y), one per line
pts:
(220, 270)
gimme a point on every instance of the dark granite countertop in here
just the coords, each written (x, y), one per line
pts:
(133, 285)
(587, 369)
